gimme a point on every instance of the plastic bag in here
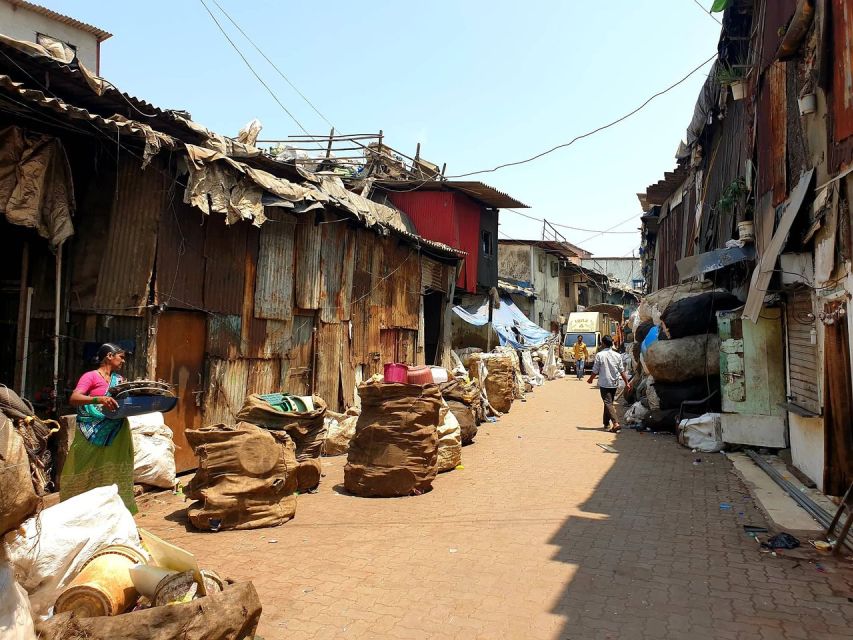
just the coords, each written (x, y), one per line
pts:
(449, 441)
(57, 542)
(153, 451)
(16, 618)
(703, 433)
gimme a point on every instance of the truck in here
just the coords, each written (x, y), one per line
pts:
(592, 326)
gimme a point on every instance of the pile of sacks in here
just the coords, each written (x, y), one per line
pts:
(496, 374)
(677, 351)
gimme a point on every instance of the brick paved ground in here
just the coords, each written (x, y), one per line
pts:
(542, 535)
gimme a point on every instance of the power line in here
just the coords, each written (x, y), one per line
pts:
(272, 64)
(708, 13)
(252, 69)
(608, 230)
(588, 133)
(565, 226)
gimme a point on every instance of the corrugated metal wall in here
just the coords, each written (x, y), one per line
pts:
(224, 272)
(308, 239)
(841, 113)
(336, 271)
(179, 282)
(468, 219)
(274, 280)
(432, 214)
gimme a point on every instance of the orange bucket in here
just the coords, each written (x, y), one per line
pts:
(104, 586)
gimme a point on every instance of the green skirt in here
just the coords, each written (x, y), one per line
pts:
(89, 466)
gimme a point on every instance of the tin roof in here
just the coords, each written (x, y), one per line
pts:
(100, 34)
(563, 249)
(475, 190)
(656, 194)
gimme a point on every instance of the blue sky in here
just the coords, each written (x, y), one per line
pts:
(476, 83)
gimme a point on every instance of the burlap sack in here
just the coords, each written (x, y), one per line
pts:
(306, 428)
(395, 447)
(464, 401)
(308, 473)
(499, 382)
(18, 499)
(246, 477)
(232, 614)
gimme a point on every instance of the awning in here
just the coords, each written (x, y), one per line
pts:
(693, 266)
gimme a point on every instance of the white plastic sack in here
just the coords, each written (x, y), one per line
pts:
(703, 433)
(153, 451)
(636, 413)
(56, 542)
(339, 431)
(16, 618)
(530, 369)
(449, 441)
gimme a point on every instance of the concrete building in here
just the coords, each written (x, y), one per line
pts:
(65, 37)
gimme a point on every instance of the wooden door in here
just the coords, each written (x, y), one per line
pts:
(180, 362)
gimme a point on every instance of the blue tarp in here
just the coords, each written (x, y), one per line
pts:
(503, 319)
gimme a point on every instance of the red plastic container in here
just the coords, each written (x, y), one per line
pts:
(396, 372)
(420, 375)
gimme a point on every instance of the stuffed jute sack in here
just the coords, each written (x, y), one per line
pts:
(306, 428)
(464, 402)
(246, 477)
(394, 451)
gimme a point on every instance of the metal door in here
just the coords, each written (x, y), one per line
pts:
(180, 361)
(752, 379)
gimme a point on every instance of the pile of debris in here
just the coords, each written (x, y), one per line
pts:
(676, 354)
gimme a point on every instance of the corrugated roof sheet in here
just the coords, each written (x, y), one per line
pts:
(656, 194)
(563, 249)
(479, 191)
(274, 278)
(100, 34)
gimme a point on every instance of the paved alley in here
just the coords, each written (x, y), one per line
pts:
(543, 534)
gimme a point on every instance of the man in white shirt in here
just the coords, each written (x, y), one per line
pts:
(608, 367)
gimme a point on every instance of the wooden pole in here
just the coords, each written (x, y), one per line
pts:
(331, 138)
(23, 320)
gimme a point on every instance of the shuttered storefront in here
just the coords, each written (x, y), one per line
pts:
(803, 356)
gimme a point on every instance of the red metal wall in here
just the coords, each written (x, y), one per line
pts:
(467, 214)
(447, 217)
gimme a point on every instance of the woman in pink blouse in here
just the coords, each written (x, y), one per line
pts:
(102, 451)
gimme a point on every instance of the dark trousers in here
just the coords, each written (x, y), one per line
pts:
(607, 395)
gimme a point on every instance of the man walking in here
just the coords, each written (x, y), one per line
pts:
(609, 368)
(580, 355)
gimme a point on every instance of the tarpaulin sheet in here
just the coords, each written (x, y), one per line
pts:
(503, 319)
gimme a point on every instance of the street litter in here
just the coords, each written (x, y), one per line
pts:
(606, 447)
(781, 541)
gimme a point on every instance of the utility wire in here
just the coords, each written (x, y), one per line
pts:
(609, 229)
(252, 69)
(565, 226)
(708, 13)
(588, 133)
(272, 64)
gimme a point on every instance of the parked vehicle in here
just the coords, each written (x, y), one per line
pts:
(592, 325)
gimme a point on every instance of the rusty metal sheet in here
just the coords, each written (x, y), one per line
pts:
(223, 336)
(226, 390)
(306, 277)
(297, 362)
(778, 131)
(433, 274)
(367, 297)
(842, 80)
(225, 256)
(328, 357)
(274, 278)
(401, 281)
(180, 362)
(264, 376)
(337, 256)
(127, 255)
(179, 282)
(347, 367)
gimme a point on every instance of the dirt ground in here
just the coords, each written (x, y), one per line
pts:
(543, 534)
